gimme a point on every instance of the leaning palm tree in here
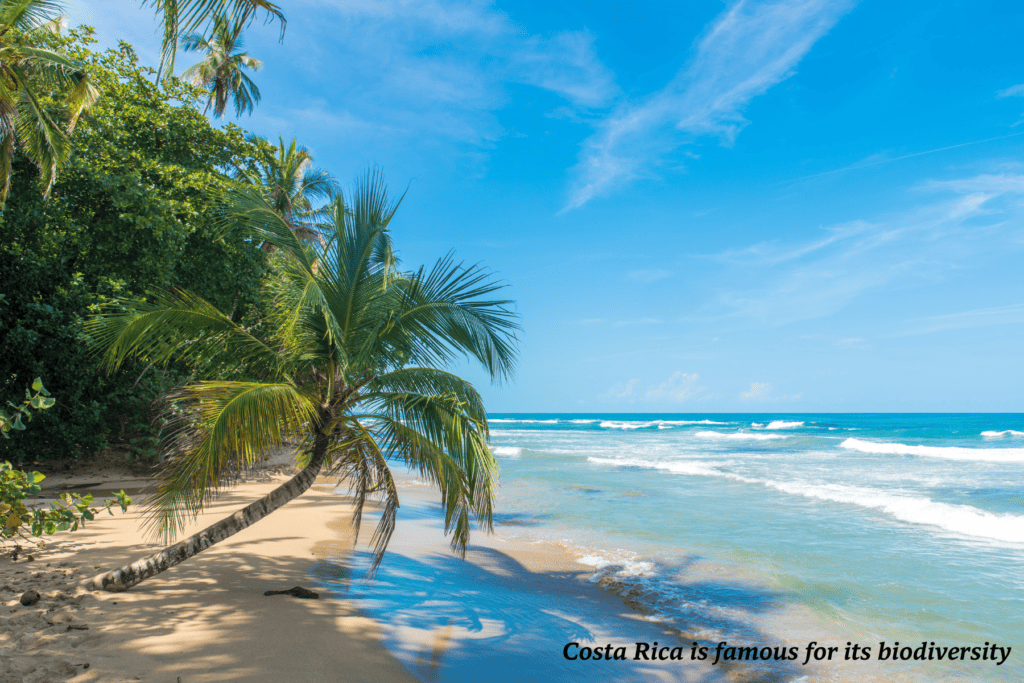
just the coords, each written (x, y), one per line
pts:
(28, 75)
(188, 16)
(291, 185)
(221, 72)
(351, 362)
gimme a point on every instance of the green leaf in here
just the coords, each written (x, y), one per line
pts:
(37, 385)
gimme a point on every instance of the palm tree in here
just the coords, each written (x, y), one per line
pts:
(28, 74)
(189, 16)
(290, 184)
(351, 362)
(221, 72)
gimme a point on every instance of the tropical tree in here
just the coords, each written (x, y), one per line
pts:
(291, 184)
(351, 361)
(222, 71)
(188, 16)
(29, 74)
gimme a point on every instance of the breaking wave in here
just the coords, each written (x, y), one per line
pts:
(945, 452)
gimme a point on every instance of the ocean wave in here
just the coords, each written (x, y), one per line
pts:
(945, 452)
(645, 424)
(738, 435)
(962, 519)
(507, 451)
(1005, 432)
(582, 422)
(782, 424)
(536, 422)
(691, 467)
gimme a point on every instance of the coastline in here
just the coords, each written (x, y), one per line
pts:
(505, 613)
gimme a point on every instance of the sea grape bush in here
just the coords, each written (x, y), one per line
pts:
(40, 401)
(67, 513)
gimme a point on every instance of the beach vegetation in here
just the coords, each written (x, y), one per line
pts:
(134, 207)
(68, 513)
(350, 363)
(296, 189)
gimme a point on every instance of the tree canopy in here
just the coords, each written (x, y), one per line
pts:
(134, 208)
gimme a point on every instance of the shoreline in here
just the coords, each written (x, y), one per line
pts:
(512, 605)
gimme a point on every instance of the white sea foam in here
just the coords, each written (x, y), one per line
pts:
(708, 434)
(507, 451)
(622, 564)
(782, 424)
(582, 422)
(961, 519)
(1005, 432)
(691, 467)
(945, 452)
(643, 424)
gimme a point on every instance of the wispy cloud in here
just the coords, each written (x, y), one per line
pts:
(761, 392)
(982, 317)
(757, 391)
(747, 50)
(677, 388)
(436, 68)
(1012, 91)
(964, 223)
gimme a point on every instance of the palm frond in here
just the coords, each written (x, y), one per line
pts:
(220, 429)
(447, 313)
(182, 326)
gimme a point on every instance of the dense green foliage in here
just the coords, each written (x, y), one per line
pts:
(133, 209)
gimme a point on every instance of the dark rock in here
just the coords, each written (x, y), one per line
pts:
(298, 592)
(78, 627)
(29, 598)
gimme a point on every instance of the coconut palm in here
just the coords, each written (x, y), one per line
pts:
(291, 184)
(188, 16)
(351, 362)
(222, 71)
(28, 75)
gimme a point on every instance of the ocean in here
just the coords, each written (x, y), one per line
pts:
(903, 528)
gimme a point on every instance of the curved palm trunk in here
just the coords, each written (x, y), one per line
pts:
(129, 575)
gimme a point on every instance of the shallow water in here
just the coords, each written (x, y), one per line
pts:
(904, 528)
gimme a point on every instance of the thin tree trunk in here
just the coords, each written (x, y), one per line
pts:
(129, 575)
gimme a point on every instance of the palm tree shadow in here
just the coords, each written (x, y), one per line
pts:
(492, 618)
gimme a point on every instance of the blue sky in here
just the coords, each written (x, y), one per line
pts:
(779, 206)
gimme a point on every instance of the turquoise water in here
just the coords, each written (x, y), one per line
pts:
(903, 527)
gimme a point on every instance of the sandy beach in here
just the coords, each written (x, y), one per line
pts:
(208, 619)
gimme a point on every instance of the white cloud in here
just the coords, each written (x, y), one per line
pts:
(437, 68)
(679, 387)
(757, 391)
(761, 392)
(747, 50)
